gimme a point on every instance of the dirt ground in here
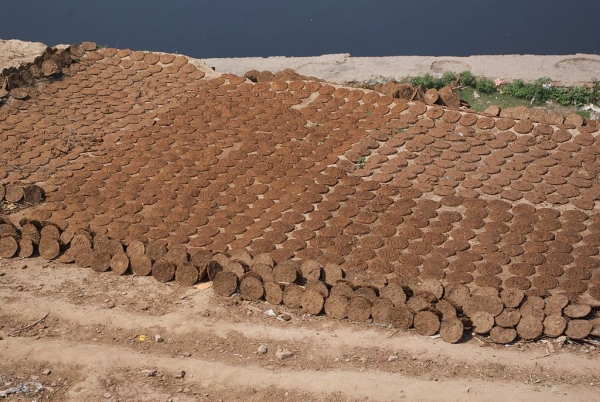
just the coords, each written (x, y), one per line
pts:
(90, 342)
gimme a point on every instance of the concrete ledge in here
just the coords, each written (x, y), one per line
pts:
(563, 70)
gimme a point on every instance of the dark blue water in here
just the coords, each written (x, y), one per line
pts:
(239, 28)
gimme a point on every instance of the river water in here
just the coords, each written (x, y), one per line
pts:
(242, 28)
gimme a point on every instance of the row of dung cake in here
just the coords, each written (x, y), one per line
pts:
(425, 305)
(21, 193)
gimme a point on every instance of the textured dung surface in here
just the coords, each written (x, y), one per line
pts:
(145, 148)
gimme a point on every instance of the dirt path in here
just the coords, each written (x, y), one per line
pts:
(90, 343)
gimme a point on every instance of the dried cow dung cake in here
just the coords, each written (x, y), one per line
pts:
(108, 246)
(31, 232)
(136, 247)
(554, 325)
(156, 250)
(503, 335)
(186, 274)
(140, 264)
(509, 318)
(310, 269)
(251, 287)
(401, 317)
(8, 247)
(163, 270)
(367, 292)
(33, 194)
(490, 304)
(483, 322)
(555, 304)
(318, 286)
(395, 293)
(426, 323)
(286, 272)
(530, 327)
(579, 329)
(577, 310)
(26, 248)
(512, 297)
(332, 273)
(177, 255)
(273, 292)
(336, 306)
(222, 259)
(264, 271)
(451, 330)
(433, 286)
(312, 301)
(119, 263)
(68, 257)
(380, 310)
(236, 268)
(421, 302)
(83, 255)
(359, 308)
(292, 295)
(225, 283)
(49, 248)
(213, 268)
(8, 229)
(13, 193)
(200, 260)
(342, 288)
(533, 305)
(52, 231)
(458, 295)
(242, 256)
(100, 261)
(79, 239)
(446, 308)
(65, 238)
(263, 259)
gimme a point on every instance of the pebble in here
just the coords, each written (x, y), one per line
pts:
(392, 358)
(282, 354)
(180, 375)
(262, 349)
(284, 317)
(46, 372)
(149, 373)
(158, 338)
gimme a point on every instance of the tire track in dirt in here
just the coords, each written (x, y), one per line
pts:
(373, 384)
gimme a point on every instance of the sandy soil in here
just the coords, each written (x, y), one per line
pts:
(13, 52)
(90, 342)
(93, 337)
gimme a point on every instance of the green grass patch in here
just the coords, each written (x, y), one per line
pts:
(530, 93)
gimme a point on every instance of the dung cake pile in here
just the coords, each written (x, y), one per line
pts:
(366, 205)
